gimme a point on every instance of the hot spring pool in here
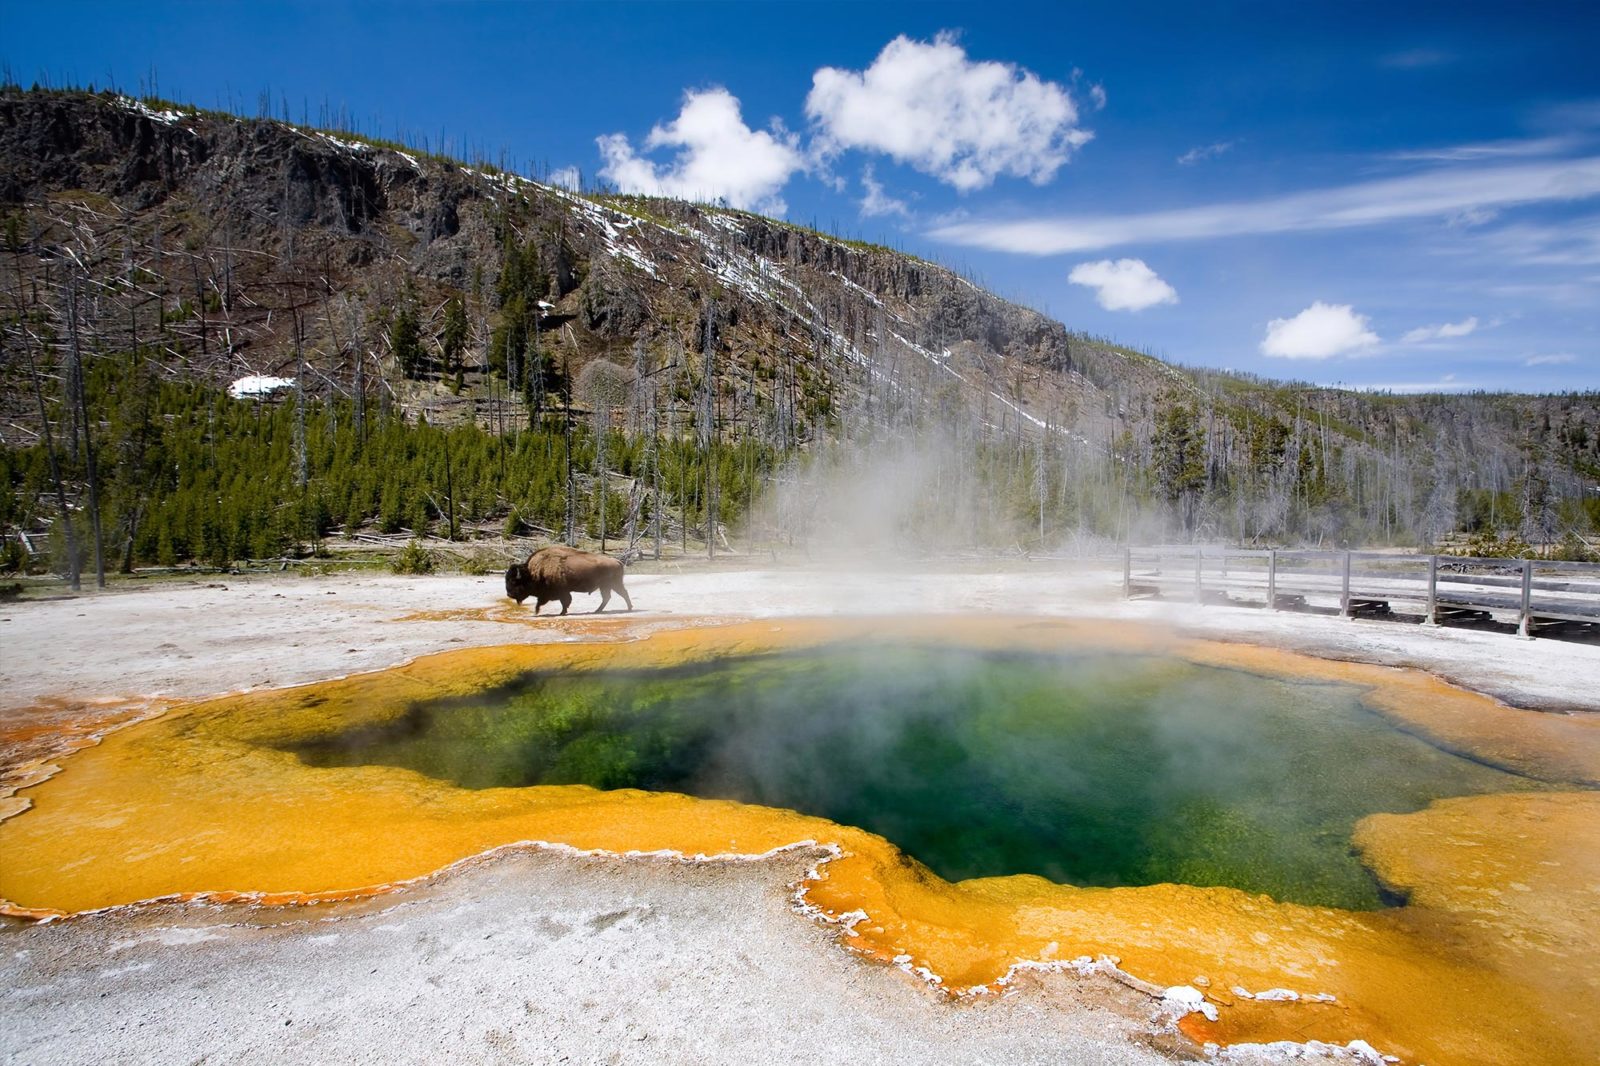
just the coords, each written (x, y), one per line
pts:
(1099, 768)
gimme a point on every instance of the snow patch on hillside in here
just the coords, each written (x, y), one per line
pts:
(621, 233)
(339, 142)
(138, 107)
(258, 385)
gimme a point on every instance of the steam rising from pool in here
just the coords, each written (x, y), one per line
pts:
(1091, 769)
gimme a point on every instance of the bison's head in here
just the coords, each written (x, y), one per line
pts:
(519, 583)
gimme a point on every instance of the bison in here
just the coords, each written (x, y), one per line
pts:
(556, 572)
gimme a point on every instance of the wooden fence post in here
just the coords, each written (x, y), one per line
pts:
(1272, 578)
(1525, 620)
(1127, 573)
(1432, 618)
(1199, 557)
(1344, 592)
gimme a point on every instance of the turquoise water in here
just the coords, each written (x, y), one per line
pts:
(1102, 769)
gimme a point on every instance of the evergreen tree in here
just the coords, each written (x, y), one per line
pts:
(518, 291)
(1178, 458)
(405, 337)
(454, 339)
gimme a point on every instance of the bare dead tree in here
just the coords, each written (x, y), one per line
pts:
(571, 530)
(709, 429)
(301, 460)
(655, 470)
(86, 425)
(358, 352)
(604, 386)
(73, 557)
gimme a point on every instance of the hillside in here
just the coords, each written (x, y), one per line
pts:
(158, 253)
(243, 221)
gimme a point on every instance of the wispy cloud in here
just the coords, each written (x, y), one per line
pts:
(1443, 331)
(1583, 114)
(1416, 58)
(1572, 242)
(1448, 383)
(1435, 193)
(1581, 293)
(1510, 148)
(1555, 359)
(878, 202)
(1204, 152)
(1471, 217)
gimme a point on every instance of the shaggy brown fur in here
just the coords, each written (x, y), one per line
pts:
(556, 572)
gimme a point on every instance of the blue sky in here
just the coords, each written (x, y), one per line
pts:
(1379, 195)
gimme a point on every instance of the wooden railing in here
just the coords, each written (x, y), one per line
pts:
(1443, 588)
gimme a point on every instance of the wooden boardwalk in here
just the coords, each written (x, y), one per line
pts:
(1538, 596)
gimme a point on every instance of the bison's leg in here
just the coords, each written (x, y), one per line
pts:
(536, 605)
(624, 594)
(605, 598)
(566, 601)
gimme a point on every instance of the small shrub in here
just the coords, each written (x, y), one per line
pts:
(1572, 549)
(413, 559)
(513, 526)
(1487, 545)
(481, 561)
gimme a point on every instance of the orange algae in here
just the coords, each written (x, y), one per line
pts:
(515, 615)
(1489, 962)
(33, 738)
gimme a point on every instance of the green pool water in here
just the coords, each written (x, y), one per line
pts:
(1094, 769)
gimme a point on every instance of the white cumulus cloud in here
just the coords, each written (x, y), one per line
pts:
(1441, 332)
(925, 104)
(1123, 284)
(1320, 331)
(567, 178)
(1557, 359)
(719, 157)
